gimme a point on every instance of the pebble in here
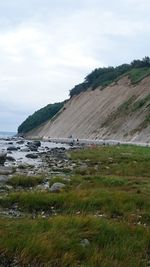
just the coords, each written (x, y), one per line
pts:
(85, 242)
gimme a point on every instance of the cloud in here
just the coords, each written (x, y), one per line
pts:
(47, 47)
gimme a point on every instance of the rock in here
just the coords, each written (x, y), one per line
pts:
(32, 147)
(14, 213)
(24, 149)
(30, 173)
(46, 185)
(9, 187)
(12, 148)
(32, 156)
(6, 170)
(21, 142)
(43, 187)
(2, 157)
(9, 158)
(56, 187)
(37, 143)
(9, 152)
(85, 242)
(3, 179)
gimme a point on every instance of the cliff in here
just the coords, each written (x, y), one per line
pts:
(120, 111)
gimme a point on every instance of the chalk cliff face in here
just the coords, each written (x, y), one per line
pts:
(120, 111)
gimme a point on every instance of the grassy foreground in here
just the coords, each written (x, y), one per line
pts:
(100, 219)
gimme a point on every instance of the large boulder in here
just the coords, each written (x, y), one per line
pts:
(2, 157)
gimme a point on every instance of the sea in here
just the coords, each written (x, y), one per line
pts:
(19, 155)
(6, 134)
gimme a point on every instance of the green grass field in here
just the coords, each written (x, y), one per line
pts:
(106, 201)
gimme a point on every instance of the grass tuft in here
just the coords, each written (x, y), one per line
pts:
(25, 181)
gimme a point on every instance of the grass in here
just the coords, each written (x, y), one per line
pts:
(112, 203)
(128, 108)
(141, 102)
(105, 200)
(59, 179)
(57, 242)
(138, 74)
(25, 181)
(122, 160)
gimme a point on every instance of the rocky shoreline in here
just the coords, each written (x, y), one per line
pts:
(68, 190)
(37, 159)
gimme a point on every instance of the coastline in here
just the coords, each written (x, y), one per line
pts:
(76, 141)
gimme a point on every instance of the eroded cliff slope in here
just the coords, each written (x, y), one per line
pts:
(121, 111)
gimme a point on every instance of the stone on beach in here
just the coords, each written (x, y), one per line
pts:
(32, 156)
(9, 158)
(3, 157)
(6, 170)
(32, 147)
(37, 143)
(56, 187)
(12, 148)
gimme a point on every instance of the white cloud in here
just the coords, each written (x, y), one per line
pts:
(47, 48)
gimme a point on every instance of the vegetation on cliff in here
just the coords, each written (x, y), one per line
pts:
(39, 117)
(137, 70)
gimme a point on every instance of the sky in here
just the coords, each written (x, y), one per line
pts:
(48, 46)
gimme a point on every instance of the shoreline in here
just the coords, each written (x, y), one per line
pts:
(76, 141)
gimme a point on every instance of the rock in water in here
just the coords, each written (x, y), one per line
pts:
(24, 149)
(12, 148)
(37, 143)
(32, 147)
(2, 157)
(9, 158)
(32, 156)
(20, 142)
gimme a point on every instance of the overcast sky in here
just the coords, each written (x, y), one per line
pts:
(48, 46)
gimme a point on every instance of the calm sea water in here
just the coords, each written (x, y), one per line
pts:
(20, 156)
(6, 134)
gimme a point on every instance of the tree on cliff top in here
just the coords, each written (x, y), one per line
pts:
(105, 76)
(40, 117)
